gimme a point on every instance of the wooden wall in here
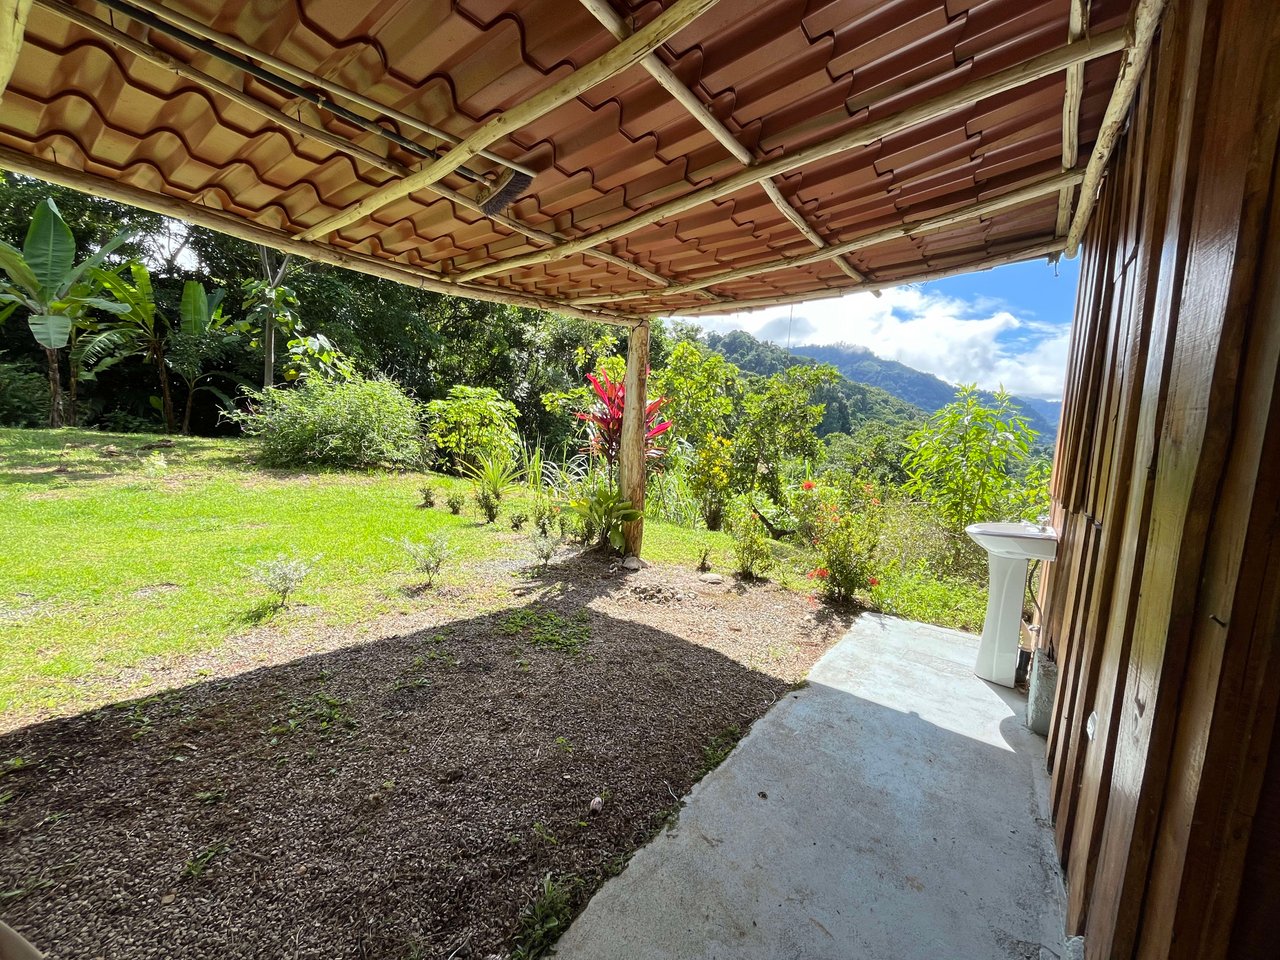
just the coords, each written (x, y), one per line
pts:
(1164, 606)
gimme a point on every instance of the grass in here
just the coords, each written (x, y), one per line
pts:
(545, 917)
(119, 551)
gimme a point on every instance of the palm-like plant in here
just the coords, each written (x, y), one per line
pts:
(139, 330)
(43, 278)
(604, 421)
(204, 333)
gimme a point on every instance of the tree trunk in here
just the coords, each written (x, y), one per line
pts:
(186, 413)
(166, 397)
(268, 352)
(55, 388)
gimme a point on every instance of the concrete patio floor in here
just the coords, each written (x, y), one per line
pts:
(894, 809)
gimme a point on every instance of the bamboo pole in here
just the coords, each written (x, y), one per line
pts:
(237, 45)
(1146, 19)
(1034, 252)
(631, 458)
(149, 53)
(169, 206)
(1033, 191)
(13, 24)
(1044, 65)
(1078, 22)
(660, 72)
(626, 54)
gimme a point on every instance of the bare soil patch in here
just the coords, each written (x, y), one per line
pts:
(396, 795)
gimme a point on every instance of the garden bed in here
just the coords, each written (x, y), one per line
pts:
(400, 795)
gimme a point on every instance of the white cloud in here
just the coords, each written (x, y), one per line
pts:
(962, 341)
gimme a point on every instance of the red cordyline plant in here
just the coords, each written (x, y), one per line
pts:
(604, 422)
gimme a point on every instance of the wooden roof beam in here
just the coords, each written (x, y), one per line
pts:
(1044, 65)
(1033, 252)
(1059, 182)
(626, 54)
(1142, 28)
(223, 222)
(1077, 25)
(666, 78)
(13, 25)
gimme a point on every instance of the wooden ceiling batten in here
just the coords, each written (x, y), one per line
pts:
(626, 54)
(1033, 252)
(1055, 61)
(1064, 181)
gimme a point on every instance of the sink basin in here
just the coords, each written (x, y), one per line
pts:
(1017, 541)
(1010, 549)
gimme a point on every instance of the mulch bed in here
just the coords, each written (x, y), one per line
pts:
(401, 796)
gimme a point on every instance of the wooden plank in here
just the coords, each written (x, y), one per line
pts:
(626, 54)
(632, 467)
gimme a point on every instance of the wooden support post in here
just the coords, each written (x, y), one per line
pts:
(13, 24)
(631, 460)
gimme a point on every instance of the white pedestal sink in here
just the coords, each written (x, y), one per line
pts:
(1010, 548)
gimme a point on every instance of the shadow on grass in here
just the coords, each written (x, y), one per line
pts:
(401, 798)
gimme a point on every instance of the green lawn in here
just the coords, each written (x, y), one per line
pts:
(114, 553)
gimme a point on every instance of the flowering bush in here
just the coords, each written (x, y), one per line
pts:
(845, 545)
(751, 543)
(709, 479)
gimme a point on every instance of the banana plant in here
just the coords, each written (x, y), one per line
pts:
(138, 330)
(204, 334)
(57, 294)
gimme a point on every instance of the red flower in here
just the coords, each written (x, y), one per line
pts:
(868, 488)
(808, 485)
(875, 501)
(819, 574)
(873, 581)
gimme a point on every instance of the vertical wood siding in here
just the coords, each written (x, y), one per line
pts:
(1164, 606)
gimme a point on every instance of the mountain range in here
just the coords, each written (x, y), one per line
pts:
(863, 368)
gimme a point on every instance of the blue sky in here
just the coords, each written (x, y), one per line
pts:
(1005, 327)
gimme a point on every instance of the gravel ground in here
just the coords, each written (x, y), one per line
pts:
(395, 794)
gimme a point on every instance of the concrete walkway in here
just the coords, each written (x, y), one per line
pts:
(892, 810)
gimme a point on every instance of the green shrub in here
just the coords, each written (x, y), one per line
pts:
(710, 475)
(427, 555)
(352, 423)
(455, 501)
(428, 492)
(845, 546)
(491, 477)
(470, 423)
(24, 396)
(603, 511)
(750, 544)
(281, 576)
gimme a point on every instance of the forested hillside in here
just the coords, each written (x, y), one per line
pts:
(924, 390)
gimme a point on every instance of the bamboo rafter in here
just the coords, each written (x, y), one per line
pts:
(626, 54)
(1010, 79)
(666, 78)
(1146, 19)
(151, 54)
(1058, 182)
(1077, 24)
(1033, 252)
(115, 189)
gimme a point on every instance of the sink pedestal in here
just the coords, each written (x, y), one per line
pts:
(998, 651)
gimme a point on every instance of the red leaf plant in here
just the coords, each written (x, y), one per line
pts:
(604, 421)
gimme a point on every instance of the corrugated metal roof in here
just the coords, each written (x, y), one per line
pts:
(779, 74)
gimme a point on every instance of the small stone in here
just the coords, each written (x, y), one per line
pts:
(168, 898)
(597, 805)
(711, 578)
(632, 563)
